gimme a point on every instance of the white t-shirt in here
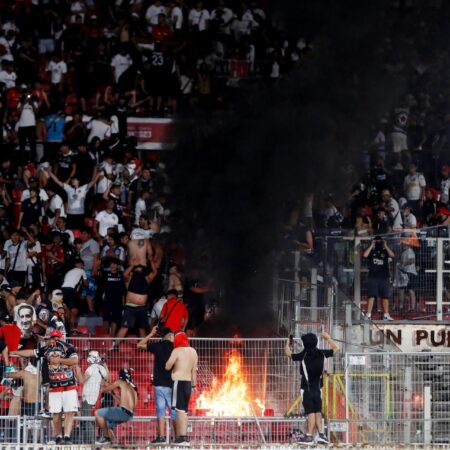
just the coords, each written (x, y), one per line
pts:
(140, 208)
(56, 202)
(11, 251)
(95, 373)
(8, 78)
(176, 17)
(75, 198)
(157, 308)
(226, 16)
(120, 64)
(413, 185)
(445, 188)
(73, 278)
(410, 221)
(99, 129)
(57, 70)
(106, 220)
(27, 117)
(43, 196)
(395, 214)
(151, 15)
(199, 18)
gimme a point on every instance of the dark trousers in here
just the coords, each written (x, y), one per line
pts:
(27, 134)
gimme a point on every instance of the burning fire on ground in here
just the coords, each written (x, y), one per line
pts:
(231, 395)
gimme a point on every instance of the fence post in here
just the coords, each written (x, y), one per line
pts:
(408, 404)
(427, 415)
(347, 399)
(357, 276)
(439, 277)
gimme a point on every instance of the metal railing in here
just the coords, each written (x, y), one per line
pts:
(395, 398)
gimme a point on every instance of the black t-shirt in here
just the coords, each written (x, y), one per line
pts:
(378, 262)
(59, 376)
(65, 163)
(314, 362)
(114, 287)
(31, 212)
(162, 351)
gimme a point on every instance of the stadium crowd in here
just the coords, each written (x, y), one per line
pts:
(86, 219)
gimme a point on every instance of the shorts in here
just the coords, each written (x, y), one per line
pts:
(91, 289)
(163, 400)
(30, 409)
(135, 317)
(71, 299)
(312, 401)
(112, 313)
(63, 401)
(181, 395)
(2, 345)
(378, 287)
(115, 415)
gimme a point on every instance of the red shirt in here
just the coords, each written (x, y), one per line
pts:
(173, 313)
(11, 334)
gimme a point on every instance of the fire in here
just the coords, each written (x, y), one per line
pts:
(231, 396)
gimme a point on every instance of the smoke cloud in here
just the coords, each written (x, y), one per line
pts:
(236, 172)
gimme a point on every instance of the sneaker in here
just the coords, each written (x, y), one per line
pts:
(67, 440)
(10, 368)
(103, 441)
(44, 414)
(59, 440)
(182, 441)
(52, 441)
(158, 440)
(386, 316)
(322, 439)
(306, 440)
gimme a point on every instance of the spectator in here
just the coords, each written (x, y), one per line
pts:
(407, 266)
(30, 379)
(162, 380)
(7, 75)
(63, 395)
(27, 109)
(393, 210)
(120, 63)
(445, 184)
(174, 314)
(16, 258)
(92, 380)
(152, 13)
(378, 283)
(414, 187)
(106, 220)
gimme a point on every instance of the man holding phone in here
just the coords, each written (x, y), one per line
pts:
(378, 281)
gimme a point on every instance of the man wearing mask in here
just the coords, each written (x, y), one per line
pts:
(312, 362)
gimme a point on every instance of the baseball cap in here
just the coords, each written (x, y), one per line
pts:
(55, 333)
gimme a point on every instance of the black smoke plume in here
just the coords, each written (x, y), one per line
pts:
(235, 172)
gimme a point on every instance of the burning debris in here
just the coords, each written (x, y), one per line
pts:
(230, 396)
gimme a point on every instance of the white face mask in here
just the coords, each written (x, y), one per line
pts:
(131, 168)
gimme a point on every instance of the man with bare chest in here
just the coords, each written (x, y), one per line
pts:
(108, 418)
(183, 364)
(140, 250)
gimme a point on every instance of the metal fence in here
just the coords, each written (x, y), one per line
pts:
(337, 273)
(142, 430)
(395, 398)
(268, 382)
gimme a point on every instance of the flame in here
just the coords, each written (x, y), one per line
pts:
(231, 396)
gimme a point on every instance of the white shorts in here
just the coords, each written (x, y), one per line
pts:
(65, 401)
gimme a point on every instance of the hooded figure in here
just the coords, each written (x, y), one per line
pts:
(181, 340)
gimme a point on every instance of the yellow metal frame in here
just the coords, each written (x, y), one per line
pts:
(337, 380)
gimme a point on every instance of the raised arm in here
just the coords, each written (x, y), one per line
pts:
(143, 343)
(54, 177)
(368, 249)
(330, 342)
(287, 349)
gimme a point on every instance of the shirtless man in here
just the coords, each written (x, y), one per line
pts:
(183, 364)
(29, 375)
(140, 250)
(108, 418)
(135, 311)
